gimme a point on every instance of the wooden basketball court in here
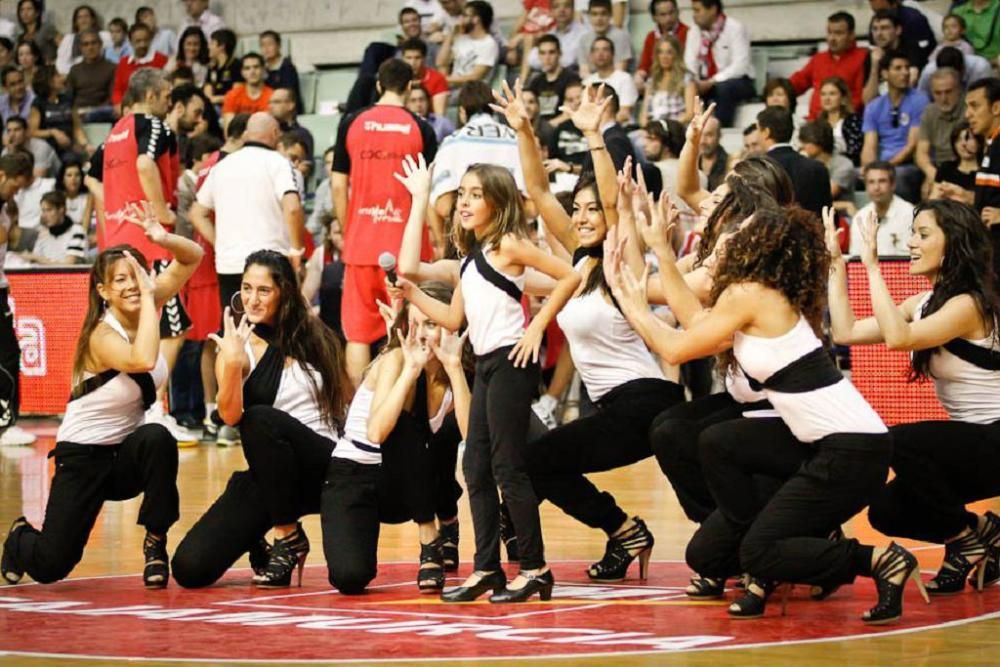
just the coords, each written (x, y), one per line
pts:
(102, 616)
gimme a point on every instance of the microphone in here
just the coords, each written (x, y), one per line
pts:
(387, 261)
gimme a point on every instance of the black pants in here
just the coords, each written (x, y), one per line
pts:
(10, 364)
(940, 466)
(287, 468)
(494, 456)
(616, 435)
(88, 475)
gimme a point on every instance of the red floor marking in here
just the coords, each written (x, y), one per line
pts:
(114, 617)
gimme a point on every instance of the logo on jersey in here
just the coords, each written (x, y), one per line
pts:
(118, 136)
(389, 212)
(379, 154)
(398, 128)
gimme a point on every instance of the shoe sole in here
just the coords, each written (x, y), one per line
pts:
(184, 444)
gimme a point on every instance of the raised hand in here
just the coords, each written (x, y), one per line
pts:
(416, 176)
(415, 353)
(701, 116)
(663, 218)
(831, 233)
(587, 117)
(511, 104)
(232, 345)
(626, 188)
(389, 315)
(143, 278)
(869, 240)
(614, 252)
(448, 350)
(142, 214)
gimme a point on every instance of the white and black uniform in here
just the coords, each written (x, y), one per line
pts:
(835, 453)
(499, 416)
(104, 451)
(369, 484)
(287, 444)
(629, 390)
(941, 466)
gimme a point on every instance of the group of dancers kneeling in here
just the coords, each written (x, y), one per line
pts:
(770, 469)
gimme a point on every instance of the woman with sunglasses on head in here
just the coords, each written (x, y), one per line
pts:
(104, 450)
(953, 336)
(282, 379)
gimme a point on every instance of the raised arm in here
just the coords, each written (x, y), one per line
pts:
(449, 315)
(688, 183)
(230, 366)
(846, 330)
(398, 372)
(449, 352)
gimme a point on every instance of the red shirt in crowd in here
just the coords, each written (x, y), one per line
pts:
(238, 101)
(132, 136)
(127, 67)
(434, 82)
(370, 148)
(849, 66)
(649, 46)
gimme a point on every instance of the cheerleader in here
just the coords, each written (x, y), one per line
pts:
(104, 450)
(951, 331)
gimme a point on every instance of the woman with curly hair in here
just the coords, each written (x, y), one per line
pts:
(767, 304)
(951, 331)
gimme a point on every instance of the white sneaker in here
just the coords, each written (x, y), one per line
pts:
(545, 408)
(15, 436)
(184, 437)
(229, 436)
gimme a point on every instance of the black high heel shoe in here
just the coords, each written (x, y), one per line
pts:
(11, 571)
(156, 572)
(449, 546)
(621, 550)
(961, 556)
(989, 535)
(508, 535)
(894, 563)
(494, 581)
(431, 579)
(259, 554)
(753, 604)
(536, 583)
(287, 554)
(705, 588)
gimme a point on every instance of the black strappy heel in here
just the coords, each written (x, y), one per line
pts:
(895, 562)
(156, 572)
(621, 550)
(288, 554)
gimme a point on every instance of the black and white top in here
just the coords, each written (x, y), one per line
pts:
(800, 380)
(492, 303)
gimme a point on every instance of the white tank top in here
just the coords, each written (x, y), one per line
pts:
(296, 398)
(495, 318)
(810, 415)
(606, 350)
(355, 445)
(113, 411)
(967, 392)
(738, 386)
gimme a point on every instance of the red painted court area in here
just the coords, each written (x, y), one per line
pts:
(114, 617)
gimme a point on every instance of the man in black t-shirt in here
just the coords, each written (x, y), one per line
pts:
(982, 110)
(549, 85)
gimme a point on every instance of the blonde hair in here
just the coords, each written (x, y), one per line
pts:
(675, 76)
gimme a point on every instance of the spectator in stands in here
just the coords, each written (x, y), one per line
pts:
(68, 54)
(34, 27)
(29, 198)
(956, 179)
(17, 99)
(778, 92)
(90, 81)
(142, 56)
(945, 112)
(917, 37)
(887, 35)
(8, 29)
(616, 139)
(279, 72)
(843, 58)
(549, 85)
(164, 40)
(982, 27)
(323, 212)
(895, 215)
(751, 140)
(292, 148)
(410, 26)
(542, 129)
(17, 137)
(969, 67)
(79, 200)
(603, 70)
(418, 102)
(414, 53)
(469, 53)
(60, 240)
(816, 139)
(568, 147)
(718, 54)
(52, 118)
(29, 60)
(810, 177)
(669, 90)
(599, 14)
(224, 70)
(119, 46)
(193, 54)
(372, 205)
(712, 157)
(953, 34)
(535, 19)
(8, 57)
(892, 125)
(982, 110)
(282, 106)
(666, 18)
(662, 148)
(837, 110)
(250, 96)
(432, 15)
(567, 30)
(199, 16)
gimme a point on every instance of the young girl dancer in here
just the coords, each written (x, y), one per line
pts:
(767, 303)
(621, 376)
(104, 451)
(493, 235)
(952, 332)
(282, 379)
(383, 469)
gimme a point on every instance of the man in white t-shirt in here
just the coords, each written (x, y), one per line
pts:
(469, 53)
(29, 198)
(895, 215)
(602, 63)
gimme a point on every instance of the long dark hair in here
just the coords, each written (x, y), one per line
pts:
(755, 182)
(782, 249)
(595, 279)
(99, 275)
(202, 48)
(967, 268)
(304, 338)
